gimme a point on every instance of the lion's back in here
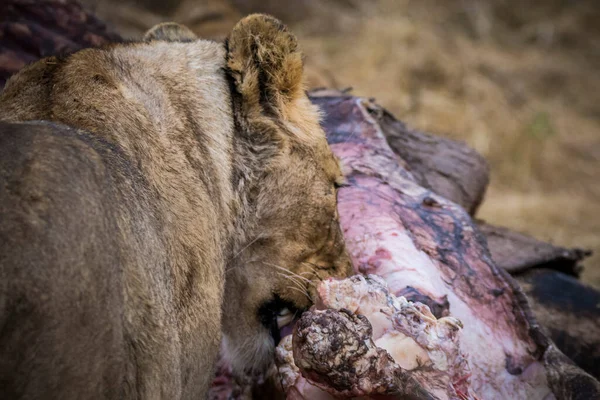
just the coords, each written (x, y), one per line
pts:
(61, 263)
(130, 198)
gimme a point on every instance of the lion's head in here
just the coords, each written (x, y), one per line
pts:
(288, 177)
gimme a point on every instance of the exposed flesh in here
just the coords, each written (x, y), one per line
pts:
(419, 241)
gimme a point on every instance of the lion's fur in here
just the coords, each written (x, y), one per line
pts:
(154, 180)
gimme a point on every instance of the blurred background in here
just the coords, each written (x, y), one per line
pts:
(517, 80)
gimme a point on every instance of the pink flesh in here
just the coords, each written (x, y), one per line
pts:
(411, 237)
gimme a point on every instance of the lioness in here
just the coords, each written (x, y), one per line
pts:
(147, 189)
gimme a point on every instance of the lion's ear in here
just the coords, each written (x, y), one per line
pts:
(170, 32)
(264, 62)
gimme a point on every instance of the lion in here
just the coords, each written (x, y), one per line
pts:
(157, 199)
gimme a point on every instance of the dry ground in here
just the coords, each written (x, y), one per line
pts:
(518, 81)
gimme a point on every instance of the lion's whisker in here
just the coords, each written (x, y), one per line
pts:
(292, 280)
(290, 272)
(301, 291)
(312, 267)
(236, 255)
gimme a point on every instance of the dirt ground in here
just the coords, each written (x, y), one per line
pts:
(518, 81)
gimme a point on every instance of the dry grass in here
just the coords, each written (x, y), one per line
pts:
(518, 81)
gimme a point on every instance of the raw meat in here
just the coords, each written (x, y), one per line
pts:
(428, 249)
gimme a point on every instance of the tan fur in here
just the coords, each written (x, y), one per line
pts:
(170, 32)
(191, 180)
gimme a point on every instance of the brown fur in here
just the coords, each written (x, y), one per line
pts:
(170, 32)
(175, 181)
